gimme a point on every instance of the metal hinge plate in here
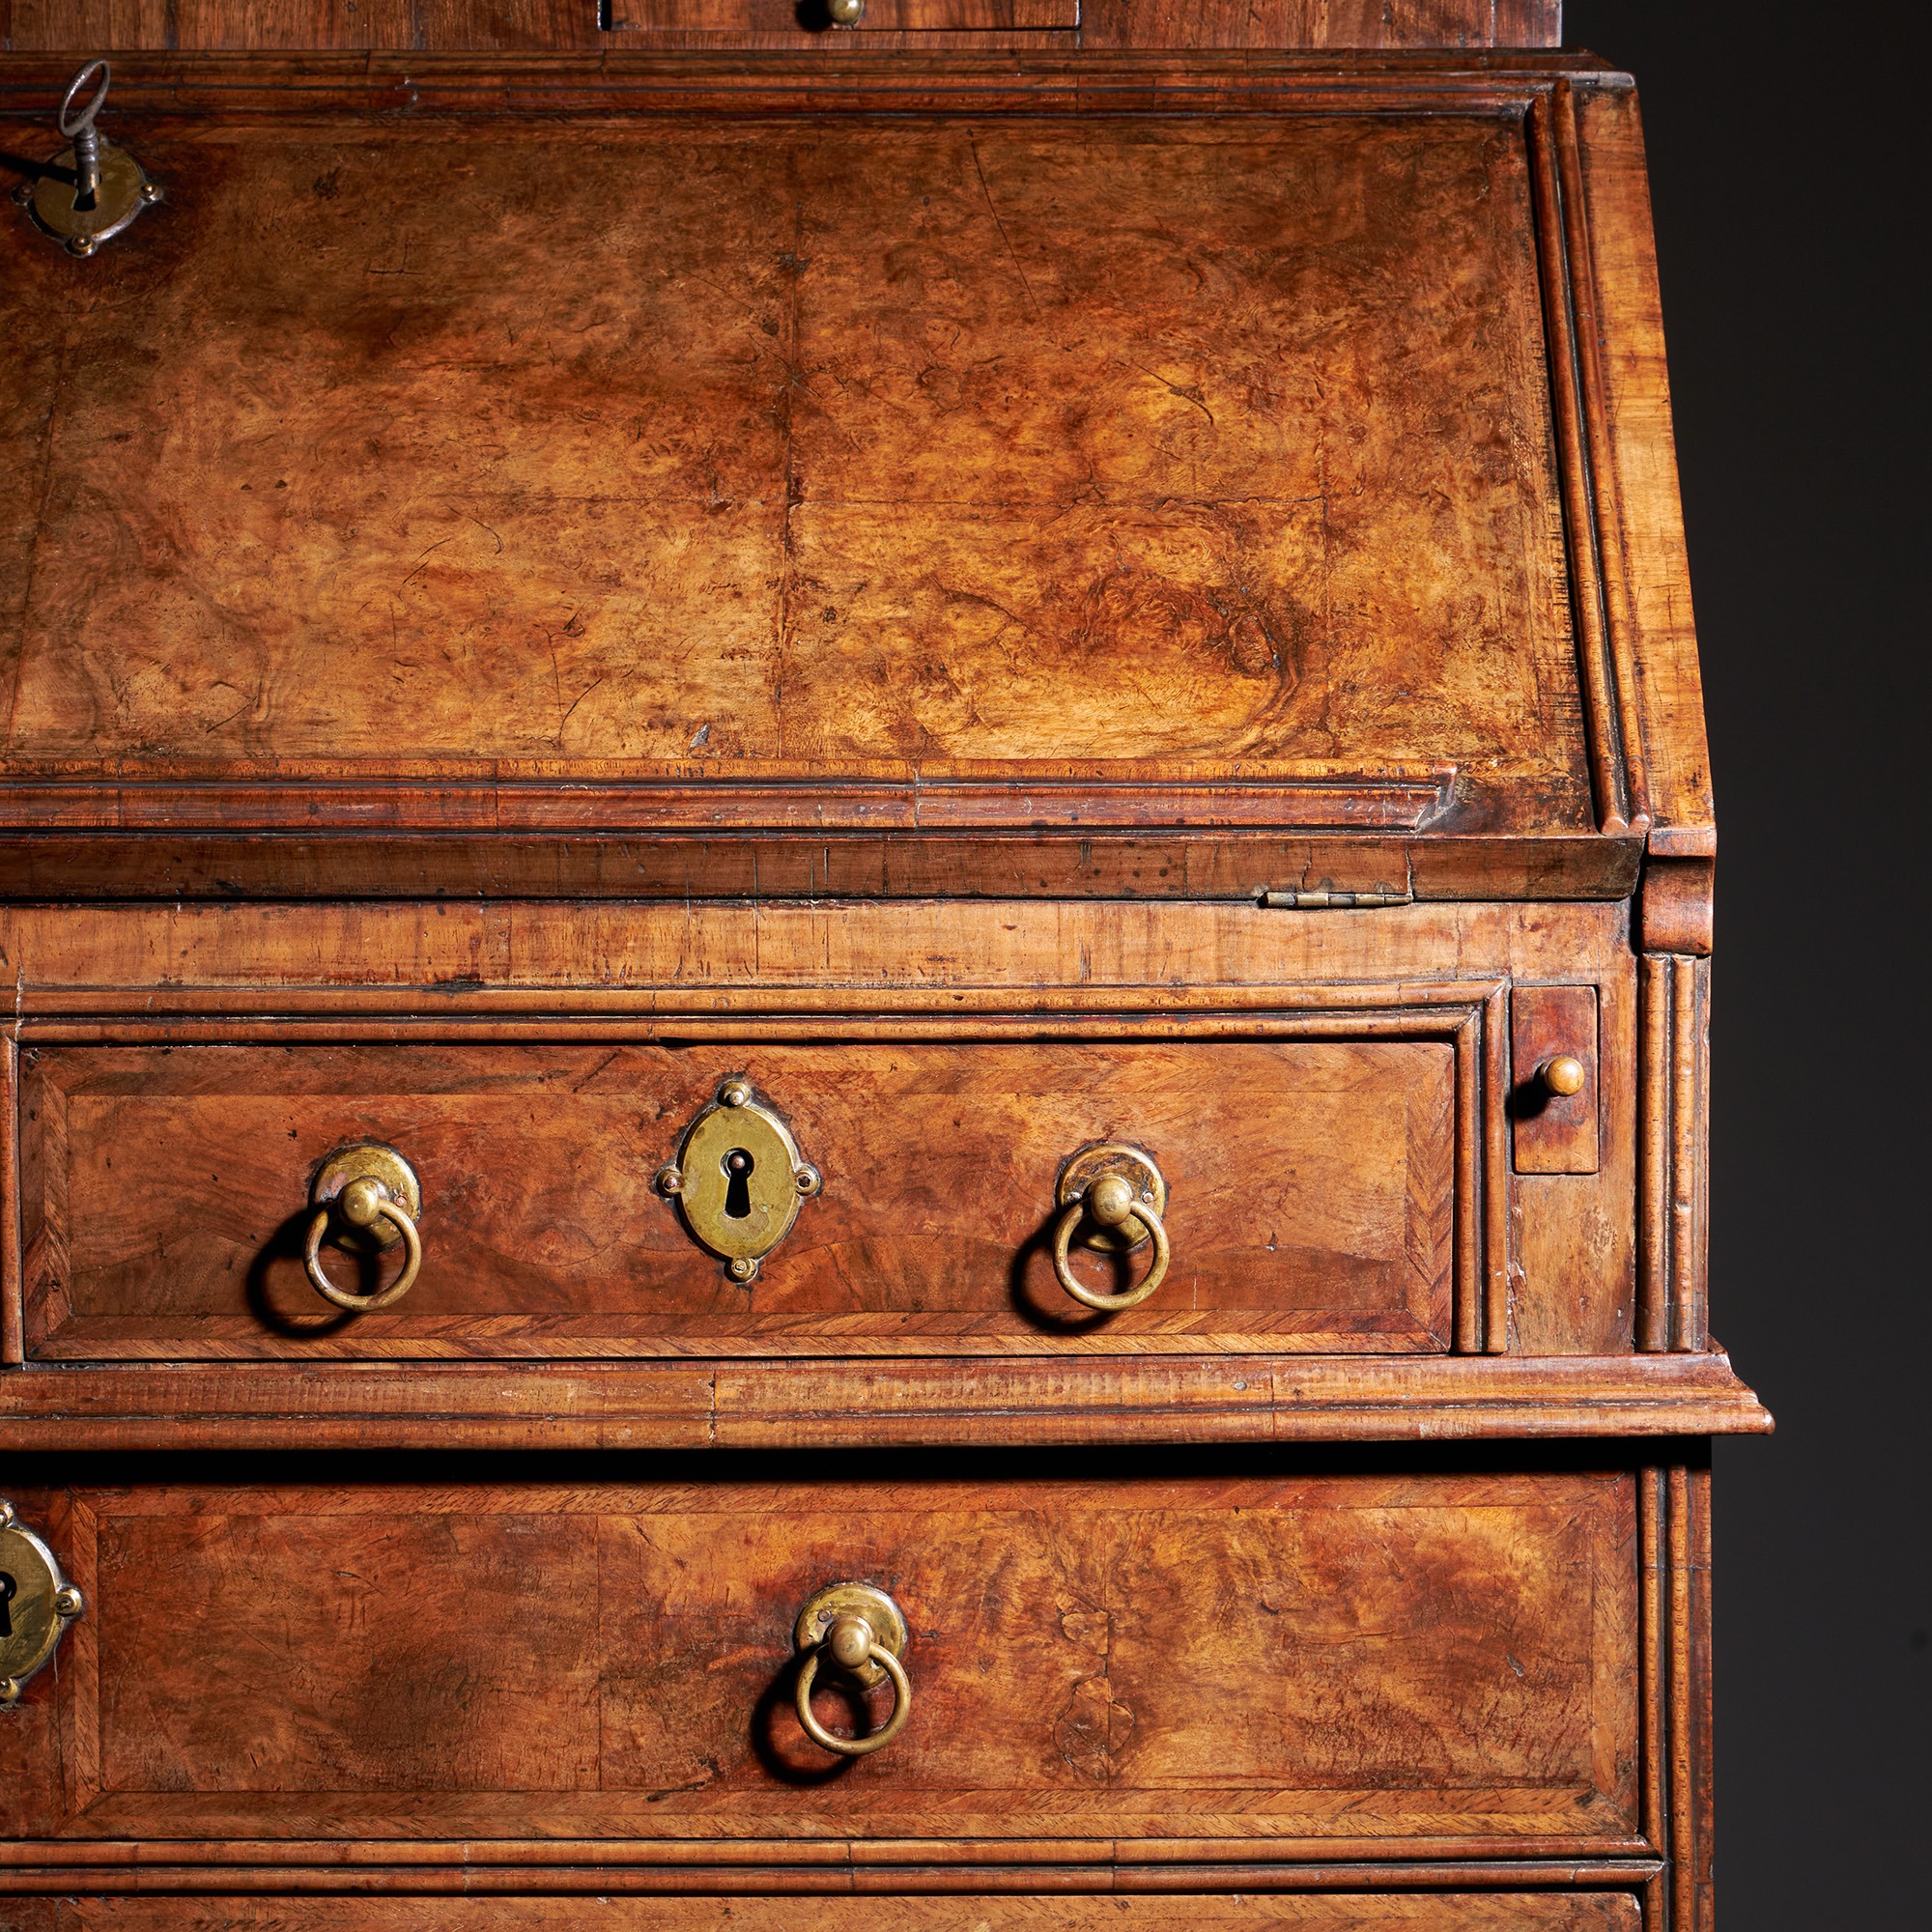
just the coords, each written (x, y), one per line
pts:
(1324, 897)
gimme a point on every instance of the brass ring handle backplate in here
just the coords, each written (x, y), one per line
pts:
(367, 1195)
(860, 1631)
(1122, 1194)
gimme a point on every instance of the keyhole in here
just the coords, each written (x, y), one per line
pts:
(738, 1166)
(7, 1588)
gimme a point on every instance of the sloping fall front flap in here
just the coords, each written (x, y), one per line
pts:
(1247, 487)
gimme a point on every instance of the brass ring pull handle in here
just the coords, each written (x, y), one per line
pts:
(1121, 1191)
(373, 1191)
(862, 1631)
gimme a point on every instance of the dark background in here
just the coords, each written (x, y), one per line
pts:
(1790, 152)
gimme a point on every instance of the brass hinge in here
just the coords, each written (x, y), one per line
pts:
(1325, 898)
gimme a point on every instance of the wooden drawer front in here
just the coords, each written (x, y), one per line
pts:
(807, 21)
(1311, 1206)
(1430, 1665)
(1448, 1911)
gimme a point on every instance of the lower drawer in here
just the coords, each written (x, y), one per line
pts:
(1342, 1662)
(1447, 1912)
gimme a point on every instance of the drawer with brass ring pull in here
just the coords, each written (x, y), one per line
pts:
(1323, 1656)
(1259, 1185)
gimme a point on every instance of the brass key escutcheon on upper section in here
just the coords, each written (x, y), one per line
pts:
(37, 1604)
(92, 189)
(738, 1179)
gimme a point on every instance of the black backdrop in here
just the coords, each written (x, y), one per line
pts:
(1789, 162)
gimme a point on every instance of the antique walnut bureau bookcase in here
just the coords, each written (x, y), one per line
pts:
(857, 887)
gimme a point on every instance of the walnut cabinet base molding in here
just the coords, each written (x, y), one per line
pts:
(857, 872)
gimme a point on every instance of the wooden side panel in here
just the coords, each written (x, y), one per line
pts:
(1669, 694)
(1447, 1912)
(1311, 1206)
(1431, 1661)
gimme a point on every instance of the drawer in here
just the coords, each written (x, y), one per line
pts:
(802, 20)
(1343, 1662)
(1311, 1195)
(1450, 1912)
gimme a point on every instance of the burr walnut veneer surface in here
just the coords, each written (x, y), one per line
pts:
(1311, 1197)
(936, 452)
(959, 440)
(1026, 575)
(1447, 1663)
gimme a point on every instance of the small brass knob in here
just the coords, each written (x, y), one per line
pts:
(1564, 1075)
(372, 1192)
(1110, 1200)
(1121, 1191)
(849, 1642)
(859, 1629)
(845, 13)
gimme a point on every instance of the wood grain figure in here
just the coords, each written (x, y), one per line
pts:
(958, 586)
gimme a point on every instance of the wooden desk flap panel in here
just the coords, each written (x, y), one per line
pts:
(950, 473)
(706, 446)
(1341, 1665)
(1311, 1206)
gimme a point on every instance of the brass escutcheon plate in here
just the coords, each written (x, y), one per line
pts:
(37, 1604)
(854, 1600)
(738, 1179)
(124, 191)
(371, 1158)
(1137, 1169)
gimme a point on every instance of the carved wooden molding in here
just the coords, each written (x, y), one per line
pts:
(1674, 1530)
(697, 1404)
(1673, 1177)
